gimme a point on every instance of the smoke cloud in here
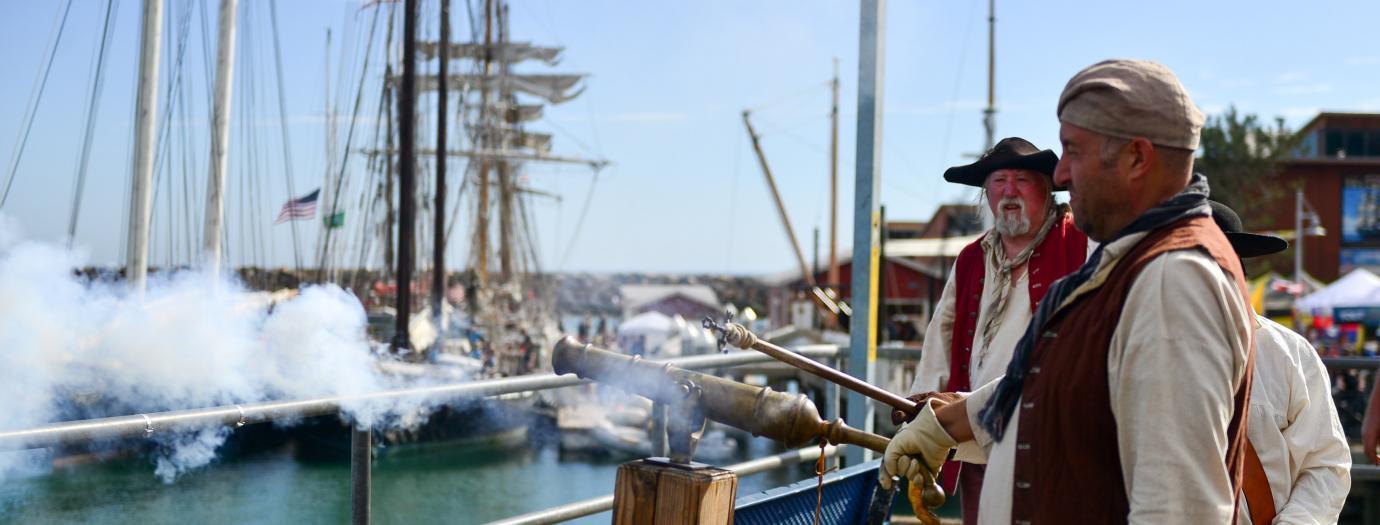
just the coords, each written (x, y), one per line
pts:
(71, 348)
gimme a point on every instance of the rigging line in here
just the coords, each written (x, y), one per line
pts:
(35, 98)
(580, 222)
(170, 95)
(792, 97)
(187, 186)
(92, 110)
(349, 136)
(206, 60)
(560, 129)
(958, 83)
(459, 194)
(282, 119)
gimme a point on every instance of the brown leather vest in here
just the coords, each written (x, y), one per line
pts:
(1068, 465)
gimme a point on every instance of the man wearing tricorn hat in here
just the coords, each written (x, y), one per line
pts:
(1125, 398)
(996, 281)
(1298, 464)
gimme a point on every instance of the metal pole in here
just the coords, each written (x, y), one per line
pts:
(361, 475)
(145, 111)
(867, 181)
(407, 178)
(438, 262)
(1298, 236)
(220, 135)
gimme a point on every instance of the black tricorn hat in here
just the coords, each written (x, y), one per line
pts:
(1011, 153)
(1246, 245)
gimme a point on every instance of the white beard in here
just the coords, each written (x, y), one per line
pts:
(1011, 226)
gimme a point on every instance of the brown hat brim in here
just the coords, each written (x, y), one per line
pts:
(975, 174)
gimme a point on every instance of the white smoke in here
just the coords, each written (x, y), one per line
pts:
(72, 348)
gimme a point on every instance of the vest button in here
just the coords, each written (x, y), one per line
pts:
(1022, 484)
(1021, 522)
(1050, 334)
(1028, 405)
(1034, 369)
(1022, 446)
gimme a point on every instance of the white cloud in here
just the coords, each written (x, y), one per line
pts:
(1312, 88)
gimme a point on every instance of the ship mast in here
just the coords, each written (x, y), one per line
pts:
(145, 111)
(505, 169)
(220, 135)
(438, 263)
(481, 220)
(407, 215)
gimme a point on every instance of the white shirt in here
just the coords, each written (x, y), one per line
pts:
(1176, 359)
(1294, 427)
(932, 374)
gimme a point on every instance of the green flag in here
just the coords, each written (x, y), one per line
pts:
(334, 220)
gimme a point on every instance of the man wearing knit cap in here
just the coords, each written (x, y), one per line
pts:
(1126, 396)
(996, 282)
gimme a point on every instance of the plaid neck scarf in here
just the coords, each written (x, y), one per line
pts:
(1191, 202)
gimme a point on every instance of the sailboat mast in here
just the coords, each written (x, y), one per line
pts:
(145, 111)
(220, 135)
(505, 169)
(438, 265)
(481, 222)
(407, 215)
(989, 115)
(834, 179)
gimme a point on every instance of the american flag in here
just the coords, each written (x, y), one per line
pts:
(299, 208)
(1289, 287)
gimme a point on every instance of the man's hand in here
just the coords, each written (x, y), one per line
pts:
(943, 398)
(918, 450)
(1370, 429)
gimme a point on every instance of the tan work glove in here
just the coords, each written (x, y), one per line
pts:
(898, 417)
(918, 450)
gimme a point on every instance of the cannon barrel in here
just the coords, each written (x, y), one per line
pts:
(791, 419)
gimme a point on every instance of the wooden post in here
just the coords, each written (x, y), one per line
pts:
(650, 491)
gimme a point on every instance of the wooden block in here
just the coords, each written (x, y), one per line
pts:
(654, 493)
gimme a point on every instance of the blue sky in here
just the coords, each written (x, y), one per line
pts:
(668, 81)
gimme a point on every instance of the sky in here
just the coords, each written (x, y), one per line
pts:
(667, 85)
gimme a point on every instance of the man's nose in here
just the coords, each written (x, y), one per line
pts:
(1062, 178)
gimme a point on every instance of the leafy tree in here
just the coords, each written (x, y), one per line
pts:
(1241, 159)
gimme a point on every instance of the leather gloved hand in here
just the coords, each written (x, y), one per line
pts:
(944, 398)
(918, 450)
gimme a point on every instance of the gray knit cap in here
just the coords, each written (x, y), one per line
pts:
(1129, 99)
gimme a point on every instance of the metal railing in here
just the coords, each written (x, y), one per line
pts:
(146, 425)
(592, 506)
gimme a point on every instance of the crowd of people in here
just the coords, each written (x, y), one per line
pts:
(1100, 362)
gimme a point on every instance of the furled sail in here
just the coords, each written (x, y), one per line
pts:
(553, 88)
(510, 53)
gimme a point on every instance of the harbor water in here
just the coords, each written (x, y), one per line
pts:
(413, 484)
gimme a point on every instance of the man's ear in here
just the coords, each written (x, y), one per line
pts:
(1138, 156)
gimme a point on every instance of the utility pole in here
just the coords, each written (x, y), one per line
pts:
(145, 112)
(220, 135)
(834, 181)
(862, 347)
(407, 182)
(989, 115)
(438, 263)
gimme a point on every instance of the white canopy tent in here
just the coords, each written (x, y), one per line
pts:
(1357, 289)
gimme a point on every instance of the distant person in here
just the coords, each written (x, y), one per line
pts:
(1298, 467)
(1370, 428)
(996, 282)
(582, 331)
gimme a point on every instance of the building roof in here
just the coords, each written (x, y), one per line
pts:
(638, 295)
